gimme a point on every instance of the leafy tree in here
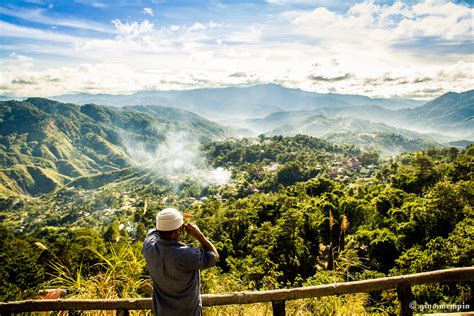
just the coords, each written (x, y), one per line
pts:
(381, 245)
(291, 173)
(21, 276)
(462, 167)
(111, 234)
(369, 158)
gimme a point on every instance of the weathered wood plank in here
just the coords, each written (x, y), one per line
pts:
(440, 276)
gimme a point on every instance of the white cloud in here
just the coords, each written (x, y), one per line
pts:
(446, 21)
(356, 52)
(135, 29)
(212, 25)
(148, 11)
(15, 60)
(388, 22)
(197, 27)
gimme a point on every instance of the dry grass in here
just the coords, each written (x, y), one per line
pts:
(333, 305)
(120, 276)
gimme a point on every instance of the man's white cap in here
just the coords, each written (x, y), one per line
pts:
(169, 219)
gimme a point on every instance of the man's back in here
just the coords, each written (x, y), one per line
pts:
(174, 268)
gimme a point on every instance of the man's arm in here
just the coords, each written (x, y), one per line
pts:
(194, 231)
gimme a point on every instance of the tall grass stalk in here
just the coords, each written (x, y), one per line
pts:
(120, 275)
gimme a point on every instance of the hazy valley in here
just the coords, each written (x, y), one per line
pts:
(47, 144)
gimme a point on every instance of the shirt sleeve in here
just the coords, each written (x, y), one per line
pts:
(150, 241)
(152, 237)
(197, 259)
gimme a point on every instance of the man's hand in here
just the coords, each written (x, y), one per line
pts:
(193, 230)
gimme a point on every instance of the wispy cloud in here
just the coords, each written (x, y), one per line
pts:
(92, 3)
(12, 30)
(39, 16)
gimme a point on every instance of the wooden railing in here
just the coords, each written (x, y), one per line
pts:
(402, 283)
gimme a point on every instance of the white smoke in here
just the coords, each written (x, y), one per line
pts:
(177, 157)
(219, 176)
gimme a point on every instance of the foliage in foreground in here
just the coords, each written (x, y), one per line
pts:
(415, 214)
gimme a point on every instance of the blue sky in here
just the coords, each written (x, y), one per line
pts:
(416, 49)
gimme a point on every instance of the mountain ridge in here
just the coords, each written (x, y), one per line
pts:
(451, 116)
(237, 102)
(45, 144)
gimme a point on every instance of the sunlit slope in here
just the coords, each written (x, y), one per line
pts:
(45, 144)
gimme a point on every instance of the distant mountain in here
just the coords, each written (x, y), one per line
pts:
(271, 121)
(238, 102)
(451, 114)
(461, 143)
(447, 118)
(361, 133)
(450, 108)
(275, 120)
(320, 125)
(45, 144)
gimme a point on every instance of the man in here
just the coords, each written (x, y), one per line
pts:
(174, 267)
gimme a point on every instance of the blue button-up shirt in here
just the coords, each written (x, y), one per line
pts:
(174, 269)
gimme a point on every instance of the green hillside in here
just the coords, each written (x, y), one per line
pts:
(199, 125)
(46, 144)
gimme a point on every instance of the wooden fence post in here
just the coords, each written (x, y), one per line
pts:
(123, 312)
(405, 299)
(278, 308)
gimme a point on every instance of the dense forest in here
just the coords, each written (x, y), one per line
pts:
(298, 211)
